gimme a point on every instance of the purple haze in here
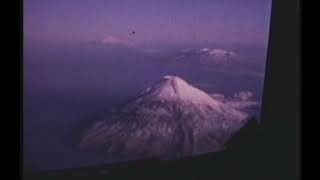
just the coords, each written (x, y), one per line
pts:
(69, 80)
(220, 21)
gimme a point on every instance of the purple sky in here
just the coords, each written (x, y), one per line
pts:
(226, 21)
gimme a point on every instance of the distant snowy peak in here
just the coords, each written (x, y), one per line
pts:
(220, 53)
(207, 55)
(204, 50)
(211, 51)
(112, 40)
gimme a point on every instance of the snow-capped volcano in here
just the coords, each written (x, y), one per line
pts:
(175, 89)
(115, 41)
(220, 53)
(170, 119)
(207, 56)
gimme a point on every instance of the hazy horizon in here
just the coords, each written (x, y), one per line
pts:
(170, 21)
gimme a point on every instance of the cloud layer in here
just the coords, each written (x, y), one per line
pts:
(240, 101)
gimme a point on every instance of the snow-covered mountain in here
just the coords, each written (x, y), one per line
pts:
(170, 119)
(112, 40)
(207, 56)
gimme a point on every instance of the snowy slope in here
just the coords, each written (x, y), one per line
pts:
(170, 119)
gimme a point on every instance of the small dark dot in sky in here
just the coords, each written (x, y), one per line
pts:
(133, 32)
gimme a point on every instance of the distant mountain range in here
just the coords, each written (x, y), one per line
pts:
(168, 120)
(207, 56)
